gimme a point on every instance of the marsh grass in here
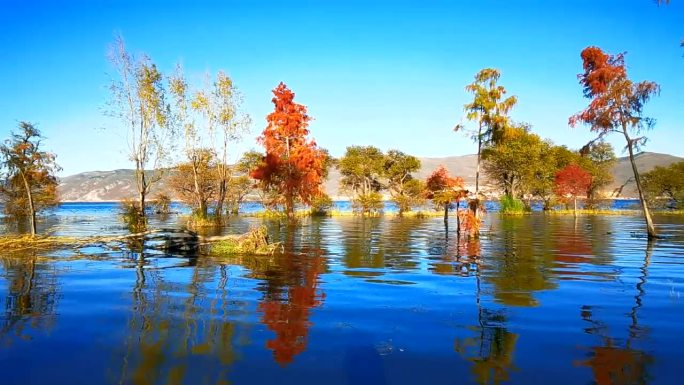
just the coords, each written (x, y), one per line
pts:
(255, 241)
(512, 206)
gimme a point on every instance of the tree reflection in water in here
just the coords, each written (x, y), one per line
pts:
(31, 299)
(613, 363)
(167, 332)
(491, 349)
(290, 292)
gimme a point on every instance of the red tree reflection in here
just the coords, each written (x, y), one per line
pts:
(286, 312)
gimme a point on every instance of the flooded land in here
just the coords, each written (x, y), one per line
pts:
(536, 299)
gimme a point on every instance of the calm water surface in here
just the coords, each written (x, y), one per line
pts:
(537, 299)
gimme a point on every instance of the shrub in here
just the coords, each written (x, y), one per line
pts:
(510, 205)
(370, 203)
(321, 205)
(132, 216)
(162, 204)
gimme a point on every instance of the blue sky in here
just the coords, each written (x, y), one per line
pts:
(384, 73)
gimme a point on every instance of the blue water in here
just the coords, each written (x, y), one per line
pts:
(537, 299)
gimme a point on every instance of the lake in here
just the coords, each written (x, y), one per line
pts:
(537, 299)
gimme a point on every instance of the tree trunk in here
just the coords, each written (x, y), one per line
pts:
(458, 219)
(220, 199)
(142, 191)
(289, 206)
(202, 208)
(446, 213)
(479, 151)
(647, 214)
(142, 203)
(575, 208)
(199, 198)
(32, 209)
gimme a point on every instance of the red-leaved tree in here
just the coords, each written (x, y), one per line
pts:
(572, 180)
(444, 189)
(617, 106)
(294, 165)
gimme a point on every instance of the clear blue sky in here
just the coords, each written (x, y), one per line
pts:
(387, 73)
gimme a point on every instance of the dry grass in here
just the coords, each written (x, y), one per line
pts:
(255, 241)
(38, 243)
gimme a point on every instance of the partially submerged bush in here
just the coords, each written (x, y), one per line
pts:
(162, 204)
(370, 203)
(255, 241)
(510, 205)
(321, 205)
(132, 216)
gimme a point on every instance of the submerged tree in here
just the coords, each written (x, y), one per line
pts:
(194, 181)
(406, 191)
(601, 159)
(490, 110)
(444, 189)
(513, 163)
(294, 164)
(665, 182)
(29, 182)
(221, 108)
(572, 180)
(362, 170)
(617, 106)
(138, 100)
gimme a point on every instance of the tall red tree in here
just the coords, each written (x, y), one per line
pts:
(294, 165)
(572, 180)
(617, 106)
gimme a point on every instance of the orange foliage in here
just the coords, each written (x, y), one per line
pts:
(616, 101)
(440, 180)
(469, 221)
(293, 165)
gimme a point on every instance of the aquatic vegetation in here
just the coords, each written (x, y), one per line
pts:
(510, 205)
(255, 241)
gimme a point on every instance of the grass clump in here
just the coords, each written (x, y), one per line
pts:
(255, 241)
(511, 206)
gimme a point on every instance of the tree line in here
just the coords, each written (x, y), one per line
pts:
(165, 116)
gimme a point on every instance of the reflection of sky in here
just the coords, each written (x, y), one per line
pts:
(170, 314)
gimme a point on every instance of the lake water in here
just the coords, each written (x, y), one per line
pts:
(537, 299)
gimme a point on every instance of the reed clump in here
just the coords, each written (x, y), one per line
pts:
(255, 241)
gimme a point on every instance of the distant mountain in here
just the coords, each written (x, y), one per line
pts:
(102, 186)
(97, 186)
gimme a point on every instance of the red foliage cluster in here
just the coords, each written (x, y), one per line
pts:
(572, 180)
(600, 70)
(615, 101)
(293, 165)
(440, 181)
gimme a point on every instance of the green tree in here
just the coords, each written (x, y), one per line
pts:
(406, 191)
(513, 163)
(29, 182)
(490, 110)
(138, 100)
(665, 182)
(362, 170)
(600, 159)
(241, 184)
(552, 158)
